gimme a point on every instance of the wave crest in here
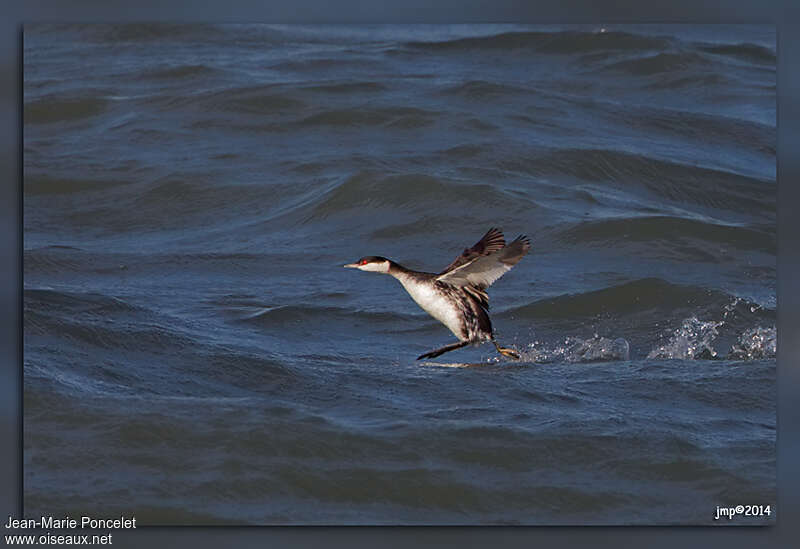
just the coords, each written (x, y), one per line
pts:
(744, 51)
(671, 181)
(559, 42)
(368, 189)
(637, 295)
(671, 229)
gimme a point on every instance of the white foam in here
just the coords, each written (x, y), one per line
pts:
(755, 343)
(576, 349)
(694, 339)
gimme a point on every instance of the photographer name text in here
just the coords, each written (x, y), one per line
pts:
(69, 523)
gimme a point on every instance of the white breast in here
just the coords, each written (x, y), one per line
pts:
(435, 304)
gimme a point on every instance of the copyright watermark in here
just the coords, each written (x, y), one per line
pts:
(744, 511)
(72, 525)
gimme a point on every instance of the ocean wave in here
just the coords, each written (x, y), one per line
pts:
(243, 371)
(659, 63)
(98, 334)
(348, 87)
(99, 320)
(701, 80)
(146, 32)
(267, 99)
(391, 117)
(57, 108)
(481, 89)
(180, 72)
(561, 42)
(368, 189)
(322, 64)
(670, 230)
(706, 127)
(675, 182)
(464, 151)
(282, 314)
(60, 301)
(108, 333)
(66, 262)
(647, 318)
(47, 384)
(173, 201)
(47, 185)
(638, 295)
(438, 467)
(744, 51)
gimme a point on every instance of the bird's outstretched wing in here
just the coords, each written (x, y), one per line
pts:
(492, 241)
(483, 269)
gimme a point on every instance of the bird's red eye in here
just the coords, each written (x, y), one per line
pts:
(362, 262)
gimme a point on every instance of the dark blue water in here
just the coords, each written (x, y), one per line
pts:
(195, 353)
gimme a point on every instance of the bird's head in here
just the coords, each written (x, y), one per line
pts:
(371, 263)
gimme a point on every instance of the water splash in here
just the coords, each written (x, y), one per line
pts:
(729, 310)
(737, 329)
(576, 349)
(755, 343)
(693, 340)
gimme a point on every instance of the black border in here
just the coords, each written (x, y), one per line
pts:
(785, 14)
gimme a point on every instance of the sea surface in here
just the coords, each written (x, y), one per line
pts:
(194, 352)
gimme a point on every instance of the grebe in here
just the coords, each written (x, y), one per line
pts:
(457, 297)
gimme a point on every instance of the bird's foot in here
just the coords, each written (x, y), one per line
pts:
(507, 351)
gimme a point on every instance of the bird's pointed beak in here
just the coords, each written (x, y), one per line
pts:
(350, 266)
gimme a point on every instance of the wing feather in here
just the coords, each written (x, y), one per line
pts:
(482, 270)
(479, 295)
(491, 242)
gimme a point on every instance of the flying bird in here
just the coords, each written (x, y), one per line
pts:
(457, 296)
